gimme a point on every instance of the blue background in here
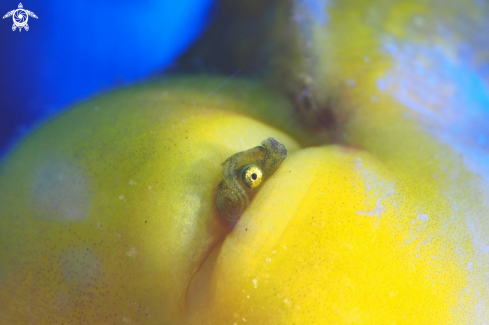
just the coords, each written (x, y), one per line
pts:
(76, 49)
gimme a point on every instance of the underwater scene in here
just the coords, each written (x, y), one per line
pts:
(244, 162)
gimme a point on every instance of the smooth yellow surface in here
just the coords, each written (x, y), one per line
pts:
(333, 238)
(107, 211)
(354, 57)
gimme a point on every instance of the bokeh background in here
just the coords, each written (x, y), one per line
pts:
(76, 49)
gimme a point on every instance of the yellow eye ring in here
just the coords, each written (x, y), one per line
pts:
(251, 176)
(240, 184)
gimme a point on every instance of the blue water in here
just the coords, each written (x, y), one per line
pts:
(76, 49)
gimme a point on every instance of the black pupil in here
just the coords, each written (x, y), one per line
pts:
(253, 176)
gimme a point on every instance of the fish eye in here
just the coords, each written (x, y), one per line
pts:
(251, 176)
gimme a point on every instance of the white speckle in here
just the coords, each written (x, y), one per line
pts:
(150, 187)
(359, 163)
(469, 266)
(322, 193)
(423, 217)
(375, 212)
(131, 182)
(268, 259)
(132, 252)
(244, 319)
(165, 93)
(287, 302)
(285, 247)
(255, 282)
(366, 59)
(274, 252)
(248, 296)
(126, 320)
(121, 197)
(351, 83)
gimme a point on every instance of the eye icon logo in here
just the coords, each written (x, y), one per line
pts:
(20, 17)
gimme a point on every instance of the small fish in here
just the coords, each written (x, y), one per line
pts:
(243, 173)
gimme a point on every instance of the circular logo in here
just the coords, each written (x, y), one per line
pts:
(20, 18)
